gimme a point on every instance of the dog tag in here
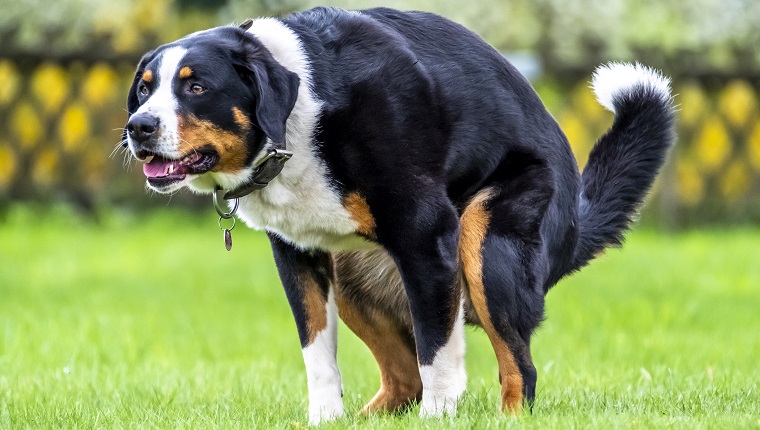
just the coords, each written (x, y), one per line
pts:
(228, 239)
(227, 231)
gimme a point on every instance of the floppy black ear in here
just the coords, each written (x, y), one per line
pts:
(132, 101)
(275, 88)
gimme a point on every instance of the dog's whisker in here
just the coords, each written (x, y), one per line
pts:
(114, 151)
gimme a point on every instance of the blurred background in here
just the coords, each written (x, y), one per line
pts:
(65, 68)
(120, 308)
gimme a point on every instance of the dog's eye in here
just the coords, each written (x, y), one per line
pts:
(144, 90)
(197, 89)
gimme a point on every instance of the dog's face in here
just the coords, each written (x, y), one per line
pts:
(202, 108)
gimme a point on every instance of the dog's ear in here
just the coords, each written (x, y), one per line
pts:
(133, 103)
(246, 24)
(277, 89)
(274, 87)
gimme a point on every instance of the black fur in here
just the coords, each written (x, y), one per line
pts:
(275, 88)
(418, 115)
(621, 169)
(133, 103)
(298, 270)
(241, 73)
(413, 112)
(417, 120)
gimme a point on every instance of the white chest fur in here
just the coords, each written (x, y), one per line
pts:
(307, 213)
(299, 204)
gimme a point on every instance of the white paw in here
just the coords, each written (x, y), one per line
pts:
(325, 411)
(444, 380)
(441, 394)
(438, 406)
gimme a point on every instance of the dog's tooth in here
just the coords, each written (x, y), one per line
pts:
(171, 168)
(148, 159)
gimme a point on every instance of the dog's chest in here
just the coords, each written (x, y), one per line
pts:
(306, 213)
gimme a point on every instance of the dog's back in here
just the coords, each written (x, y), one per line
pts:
(467, 116)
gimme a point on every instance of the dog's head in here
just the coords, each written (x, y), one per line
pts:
(202, 108)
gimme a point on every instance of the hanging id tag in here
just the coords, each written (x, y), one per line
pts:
(227, 233)
(227, 239)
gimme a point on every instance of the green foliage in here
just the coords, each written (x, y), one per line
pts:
(104, 29)
(684, 36)
(238, 10)
(145, 321)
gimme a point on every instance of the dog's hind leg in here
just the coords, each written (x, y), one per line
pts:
(504, 267)
(393, 347)
(420, 232)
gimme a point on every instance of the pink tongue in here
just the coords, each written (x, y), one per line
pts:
(159, 167)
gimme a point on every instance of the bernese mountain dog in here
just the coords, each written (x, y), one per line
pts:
(408, 177)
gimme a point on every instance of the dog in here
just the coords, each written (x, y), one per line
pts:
(408, 177)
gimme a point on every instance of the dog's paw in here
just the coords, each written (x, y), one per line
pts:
(325, 411)
(441, 394)
(438, 406)
(445, 380)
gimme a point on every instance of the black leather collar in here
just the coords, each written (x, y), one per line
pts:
(266, 169)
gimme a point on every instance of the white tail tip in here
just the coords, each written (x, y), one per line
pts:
(617, 80)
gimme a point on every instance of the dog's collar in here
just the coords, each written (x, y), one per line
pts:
(265, 170)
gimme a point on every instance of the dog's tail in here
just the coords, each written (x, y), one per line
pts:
(624, 162)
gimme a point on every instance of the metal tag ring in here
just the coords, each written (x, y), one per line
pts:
(220, 223)
(219, 209)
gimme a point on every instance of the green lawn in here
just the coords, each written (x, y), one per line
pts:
(145, 321)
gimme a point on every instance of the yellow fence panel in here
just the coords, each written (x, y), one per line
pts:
(62, 124)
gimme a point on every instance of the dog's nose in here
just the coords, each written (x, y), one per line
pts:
(141, 127)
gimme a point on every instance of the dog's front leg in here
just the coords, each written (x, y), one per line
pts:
(307, 277)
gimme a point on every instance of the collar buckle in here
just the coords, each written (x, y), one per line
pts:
(269, 166)
(282, 155)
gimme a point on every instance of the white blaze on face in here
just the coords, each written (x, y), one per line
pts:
(163, 105)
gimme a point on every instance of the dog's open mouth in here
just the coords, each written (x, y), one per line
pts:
(162, 171)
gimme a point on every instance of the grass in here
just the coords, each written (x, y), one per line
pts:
(145, 321)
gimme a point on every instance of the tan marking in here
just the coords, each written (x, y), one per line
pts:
(147, 76)
(185, 72)
(315, 306)
(359, 211)
(473, 227)
(241, 119)
(400, 382)
(230, 147)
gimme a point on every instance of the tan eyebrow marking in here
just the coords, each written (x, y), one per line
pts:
(147, 76)
(185, 72)
(240, 118)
